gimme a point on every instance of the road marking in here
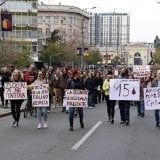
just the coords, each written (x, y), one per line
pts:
(116, 107)
(86, 136)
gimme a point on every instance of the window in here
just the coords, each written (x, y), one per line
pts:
(39, 31)
(55, 20)
(34, 48)
(40, 20)
(24, 34)
(63, 21)
(48, 19)
(48, 32)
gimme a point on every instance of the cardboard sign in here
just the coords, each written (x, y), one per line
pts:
(15, 90)
(76, 98)
(152, 98)
(124, 89)
(140, 71)
(40, 95)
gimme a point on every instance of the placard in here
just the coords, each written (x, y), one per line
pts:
(15, 90)
(76, 98)
(140, 71)
(40, 95)
(152, 98)
(124, 89)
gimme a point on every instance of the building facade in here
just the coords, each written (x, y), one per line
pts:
(138, 53)
(110, 30)
(24, 22)
(72, 23)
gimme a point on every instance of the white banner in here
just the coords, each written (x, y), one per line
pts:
(152, 98)
(124, 89)
(76, 98)
(40, 95)
(15, 90)
(140, 71)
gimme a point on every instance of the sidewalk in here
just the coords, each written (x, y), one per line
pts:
(7, 111)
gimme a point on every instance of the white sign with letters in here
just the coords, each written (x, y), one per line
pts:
(140, 71)
(124, 89)
(40, 95)
(76, 98)
(15, 90)
(152, 98)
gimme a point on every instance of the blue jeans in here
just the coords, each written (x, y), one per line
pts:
(140, 107)
(41, 112)
(90, 99)
(157, 116)
(50, 102)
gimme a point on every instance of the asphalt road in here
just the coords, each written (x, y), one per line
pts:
(139, 141)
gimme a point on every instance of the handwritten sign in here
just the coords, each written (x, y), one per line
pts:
(40, 95)
(152, 98)
(140, 71)
(15, 90)
(124, 89)
(76, 98)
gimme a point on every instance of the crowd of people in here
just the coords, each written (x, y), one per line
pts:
(96, 82)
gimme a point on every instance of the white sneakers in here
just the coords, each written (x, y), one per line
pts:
(40, 125)
(45, 125)
(14, 124)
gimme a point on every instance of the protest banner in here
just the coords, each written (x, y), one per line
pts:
(40, 95)
(15, 90)
(124, 89)
(140, 71)
(76, 98)
(152, 98)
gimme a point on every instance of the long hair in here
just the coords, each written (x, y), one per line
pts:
(20, 75)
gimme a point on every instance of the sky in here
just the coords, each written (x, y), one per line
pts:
(144, 14)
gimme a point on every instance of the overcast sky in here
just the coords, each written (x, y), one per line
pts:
(144, 14)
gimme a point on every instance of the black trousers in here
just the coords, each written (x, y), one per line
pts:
(2, 95)
(15, 109)
(110, 107)
(71, 115)
(124, 110)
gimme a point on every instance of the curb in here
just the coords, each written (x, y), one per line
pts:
(5, 114)
(8, 114)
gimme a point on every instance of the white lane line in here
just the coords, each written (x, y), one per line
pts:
(86, 136)
(116, 107)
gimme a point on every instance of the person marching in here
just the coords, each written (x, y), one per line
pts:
(75, 83)
(140, 106)
(16, 103)
(124, 105)
(41, 111)
(110, 103)
(156, 83)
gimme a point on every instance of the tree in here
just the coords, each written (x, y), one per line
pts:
(15, 53)
(55, 38)
(93, 57)
(57, 53)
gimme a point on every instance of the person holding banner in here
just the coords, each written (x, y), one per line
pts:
(16, 103)
(123, 104)
(156, 83)
(41, 110)
(75, 83)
